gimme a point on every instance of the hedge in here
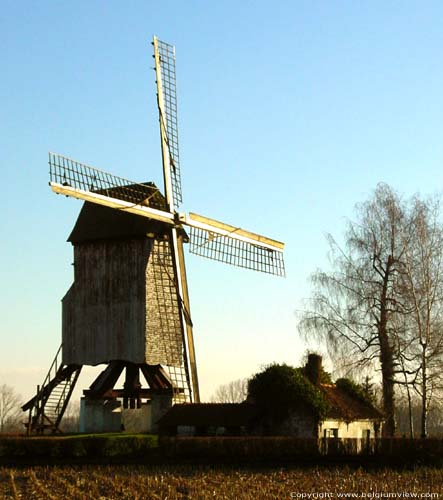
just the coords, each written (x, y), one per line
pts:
(78, 446)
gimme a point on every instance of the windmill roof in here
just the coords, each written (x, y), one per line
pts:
(209, 414)
(98, 222)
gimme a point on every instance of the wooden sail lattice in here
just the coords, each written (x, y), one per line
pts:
(236, 252)
(168, 78)
(73, 174)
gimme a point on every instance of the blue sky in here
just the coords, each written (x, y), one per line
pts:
(289, 114)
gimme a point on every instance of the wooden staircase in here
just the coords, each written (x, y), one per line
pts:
(47, 407)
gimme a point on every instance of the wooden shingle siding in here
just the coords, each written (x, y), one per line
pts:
(164, 337)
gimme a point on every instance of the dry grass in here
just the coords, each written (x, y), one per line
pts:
(180, 482)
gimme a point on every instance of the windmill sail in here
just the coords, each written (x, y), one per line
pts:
(232, 245)
(167, 102)
(209, 238)
(75, 179)
(236, 252)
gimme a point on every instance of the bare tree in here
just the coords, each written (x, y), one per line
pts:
(356, 304)
(10, 411)
(422, 282)
(233, 392)
(434, 416)
(383, 301)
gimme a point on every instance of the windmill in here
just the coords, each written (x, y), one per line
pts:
(128, 307)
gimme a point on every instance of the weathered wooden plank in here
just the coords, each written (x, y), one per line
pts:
(104, 310)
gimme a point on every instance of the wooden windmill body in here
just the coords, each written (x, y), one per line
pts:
(120, 299)
(128, 307)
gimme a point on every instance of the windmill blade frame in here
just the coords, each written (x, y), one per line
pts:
(233, 245)
(77, 180)
(164, 55)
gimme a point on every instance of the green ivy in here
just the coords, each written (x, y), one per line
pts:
(279, 388)
(354, 390)
(325, 377)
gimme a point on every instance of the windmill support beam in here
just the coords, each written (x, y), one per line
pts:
(144, 393)
(107, 378)
(156, 377)
(132, 392)
(132, 387)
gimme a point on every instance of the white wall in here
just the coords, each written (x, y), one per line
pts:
(355, 429)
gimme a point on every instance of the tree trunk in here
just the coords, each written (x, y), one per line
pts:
(410, 415)
(386, 357)
(387, 368)
(408, 393)
(424, 396)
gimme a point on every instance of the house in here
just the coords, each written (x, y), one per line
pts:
(209, 419)
(347, 415)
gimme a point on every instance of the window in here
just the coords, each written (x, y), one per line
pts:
(331, 433)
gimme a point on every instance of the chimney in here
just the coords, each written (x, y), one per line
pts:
(313, 368)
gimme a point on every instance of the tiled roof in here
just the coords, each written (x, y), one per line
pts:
(343, 406)
(209, 414)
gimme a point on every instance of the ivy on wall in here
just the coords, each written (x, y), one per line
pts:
(279, 388)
